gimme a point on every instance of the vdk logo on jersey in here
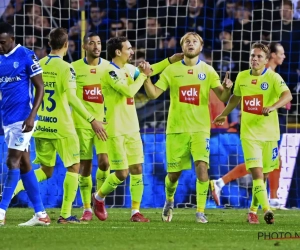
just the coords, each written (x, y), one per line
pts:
(253, 104)
(190, 94)
(16, 65)
(264, 86)
(274, 153)
(201, 76)
(93, 93)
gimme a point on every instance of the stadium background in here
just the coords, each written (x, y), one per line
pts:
(154, 29)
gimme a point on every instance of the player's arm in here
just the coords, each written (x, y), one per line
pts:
(120, 84)
(78, 107)
(283, 91)
(233, 102)
(160, 66)
(38, 84)
(223, 92)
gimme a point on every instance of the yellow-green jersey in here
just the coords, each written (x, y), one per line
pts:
(257, 92)
(120, 108)
(89, 90)
(54, 115)
(189, 95)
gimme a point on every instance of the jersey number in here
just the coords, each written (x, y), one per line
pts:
(51, 105)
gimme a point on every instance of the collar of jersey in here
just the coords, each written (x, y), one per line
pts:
(86, 62)
(112, 63)
(53, 56)
(13, 50)
(182, 61)
(265, 70)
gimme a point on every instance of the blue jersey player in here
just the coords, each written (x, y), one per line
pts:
(19, 69)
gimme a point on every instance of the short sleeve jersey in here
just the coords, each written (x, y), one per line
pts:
(89, 90)
(257, 92)
(121, 112)
(16, 89)
(189, 94)
(54, 115)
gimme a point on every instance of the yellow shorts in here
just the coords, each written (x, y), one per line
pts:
(88, 139)
(181, 146)
(125, 150)
(262, 154)
(67, 148)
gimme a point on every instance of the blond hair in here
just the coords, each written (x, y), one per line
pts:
(192, 34)
(262, 47)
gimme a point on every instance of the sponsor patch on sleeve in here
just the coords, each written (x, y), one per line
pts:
(113, 75)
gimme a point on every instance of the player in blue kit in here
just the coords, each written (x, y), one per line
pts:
(19, 70)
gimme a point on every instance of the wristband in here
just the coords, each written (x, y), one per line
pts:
(91, 119)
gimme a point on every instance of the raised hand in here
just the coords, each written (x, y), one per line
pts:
(176, 57)
(227, 83)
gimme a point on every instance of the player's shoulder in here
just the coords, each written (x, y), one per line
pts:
(77, 63)
(104, 62)
(23, 50)
(206, 66)
(24, 53)
(244, 73)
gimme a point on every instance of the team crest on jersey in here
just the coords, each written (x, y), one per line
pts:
(264, 86)
(201, 76)
(16, 65)
(113, 75)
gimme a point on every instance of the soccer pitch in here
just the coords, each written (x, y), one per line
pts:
(227, 229)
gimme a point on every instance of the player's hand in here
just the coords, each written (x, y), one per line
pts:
(144, 67)
(267, 110)
(28, 125)
(227, 83)
(176, 57)
(219, 120)
(99, 130)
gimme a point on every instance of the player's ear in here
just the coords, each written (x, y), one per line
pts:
(118, 52)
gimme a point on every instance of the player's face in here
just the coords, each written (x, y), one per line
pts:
(93, 47)
(126, 52)
(258, 59)
(191, 47)
(279, 55)
(6, 43)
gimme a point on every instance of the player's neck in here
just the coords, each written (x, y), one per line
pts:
(190, 61)
(117, 62)
(272, 65)
(257, 72)
(92, 61)
(57, 52)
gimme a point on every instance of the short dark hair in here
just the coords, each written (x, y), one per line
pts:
(88, 35)
(273, 47)
(6, 28)
(113, 44)
(57, 38)
(262, 47)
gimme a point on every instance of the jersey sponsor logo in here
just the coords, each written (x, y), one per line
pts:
(190, 94)
(35, 67)
(264, 86)
(201, 76)
(274, 153)
(178, 76)
(93, 71)
(130, 101)
(190, 71)
(253, 104)
(34, 58)
(47, 119)
(207, 144)
(93, 93)
(113, 75)
(7, 79)
(73, 74)
(254, 81)
(16, 65)
(19, 141)
(45, 129)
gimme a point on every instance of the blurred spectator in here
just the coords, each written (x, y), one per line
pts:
(8, 15)
(40, 52)
(225, 57)
(73, 52)
(287, 31)
(117, 29)
(75, 15)
(225, 15)
(244, 33)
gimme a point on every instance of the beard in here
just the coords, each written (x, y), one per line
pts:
(191, 55)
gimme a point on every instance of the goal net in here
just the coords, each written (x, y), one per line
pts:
(154, 28)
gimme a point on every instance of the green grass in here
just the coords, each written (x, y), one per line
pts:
(227, 229)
